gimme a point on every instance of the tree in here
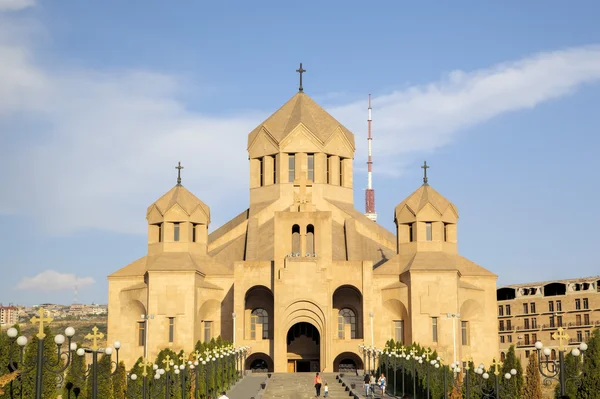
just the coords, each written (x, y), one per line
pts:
(49, 390)
(456, 392)
(75, 375)
(512, 362)
(533, 383)
(572, 368)
(105, 386)
(590, 382)
(134, 387)
(119, 381)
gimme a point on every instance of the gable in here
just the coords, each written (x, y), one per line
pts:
(428, 213)
(263, 144)
(405, 215)
(450, 215)
(176, 214)
(154, 215)
(301, 139)
(338, 144)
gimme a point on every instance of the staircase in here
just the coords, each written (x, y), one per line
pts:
(300, 386)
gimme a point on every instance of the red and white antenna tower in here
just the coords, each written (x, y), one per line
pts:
(370, 192)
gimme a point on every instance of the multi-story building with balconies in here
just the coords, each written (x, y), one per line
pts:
(533, 312)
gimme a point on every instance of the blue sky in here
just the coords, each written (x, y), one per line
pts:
(99, 100)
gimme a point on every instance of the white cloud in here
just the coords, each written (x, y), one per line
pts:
(51, 280)
(13, 5)
(94, 148)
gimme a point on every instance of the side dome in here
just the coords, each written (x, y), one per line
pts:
(421, 203)
(179, 199)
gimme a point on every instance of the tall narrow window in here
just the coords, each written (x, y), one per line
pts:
(464, 327)
(296, 240)
(558, 306)
(274, 162)
(141, 333)
(501, 325)
(532, 307)
(207, 331)
(585, 303)
(434, 328)
(533, 322)
(525, 308)
(171, 329)
(586, 319)
(160, 232)
(507, 310)
(411, 237)
(578, 320)
(175, 231)
(534, 338)
(261, 170)
(428, 231)
(341, 171)
(311, 167)
(577, 304)
(509, 325)
(259, 317)
(526, 324)
(526, 339)
(559, 321)
(291, 167)
(399, 331)
(579, 336)
(445, 232)
(310, 240)
(346, 316)
(551, 320)
(500, 310)
(551, 305)
(328, 169)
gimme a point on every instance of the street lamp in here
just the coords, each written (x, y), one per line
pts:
(454, 317)
(371, 314)
(42, 362)
(146, 317)
(548, 367)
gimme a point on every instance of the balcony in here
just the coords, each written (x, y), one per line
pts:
(552, 326)
(582, 324)
(523, 344)
(529, 328)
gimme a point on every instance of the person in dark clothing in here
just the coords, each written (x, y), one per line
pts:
(367, 381)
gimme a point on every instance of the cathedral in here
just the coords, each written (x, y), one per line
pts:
(301, 276)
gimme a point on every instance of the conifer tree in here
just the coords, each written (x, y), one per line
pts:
(75, 375)
(49, 390)
(516, 383)
(456, 392)
(134, 387)
(533, 383)
(105, 386)
(119, 381)
(590, 382)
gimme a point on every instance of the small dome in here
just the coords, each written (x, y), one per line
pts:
(421, 197)
(181, 196)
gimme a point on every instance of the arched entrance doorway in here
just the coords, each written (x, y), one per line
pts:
(303, 348)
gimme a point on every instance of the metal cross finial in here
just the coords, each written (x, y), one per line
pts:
(179, 167)
(425, 167)
(197, 355)
(182, 358)
(94, 337)
(301, 71)
(561, 336)
(41, 320)
(145, 364)
(167, 361)
(427, 352)
(497, 365)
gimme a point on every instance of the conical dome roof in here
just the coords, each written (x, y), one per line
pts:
(426, 195)
(181, 196)
(301, 109)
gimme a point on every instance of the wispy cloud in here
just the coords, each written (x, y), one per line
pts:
(51, 280)
(13, 5)
(91, 148)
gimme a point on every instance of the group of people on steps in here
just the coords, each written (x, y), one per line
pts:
(371, 383)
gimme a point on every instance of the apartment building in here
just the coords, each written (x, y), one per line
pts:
(533, 312)
(9, 315)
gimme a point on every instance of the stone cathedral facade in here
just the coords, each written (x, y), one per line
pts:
(301, 276)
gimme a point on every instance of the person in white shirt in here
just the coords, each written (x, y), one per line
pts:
(223, 396)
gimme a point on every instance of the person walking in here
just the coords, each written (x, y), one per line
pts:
(318, 385)
(382, 383)
(326, 391)
(367, 381)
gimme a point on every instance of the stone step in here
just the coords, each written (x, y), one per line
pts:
(300, 386)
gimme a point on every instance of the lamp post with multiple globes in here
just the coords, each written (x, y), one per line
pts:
(553, 369)
(42, 362)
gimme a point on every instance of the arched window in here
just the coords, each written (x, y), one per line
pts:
(553, 355)
(502, 356)
(296, 240)
(310, 240)
(346, 316)
(259, 316)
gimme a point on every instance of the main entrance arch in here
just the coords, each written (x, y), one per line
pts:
(303, 348)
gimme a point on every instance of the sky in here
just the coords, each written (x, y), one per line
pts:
(100, 100)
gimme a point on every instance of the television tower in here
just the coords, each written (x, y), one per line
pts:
(370, 192)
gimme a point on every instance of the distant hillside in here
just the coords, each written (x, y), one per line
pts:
(82, 328)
